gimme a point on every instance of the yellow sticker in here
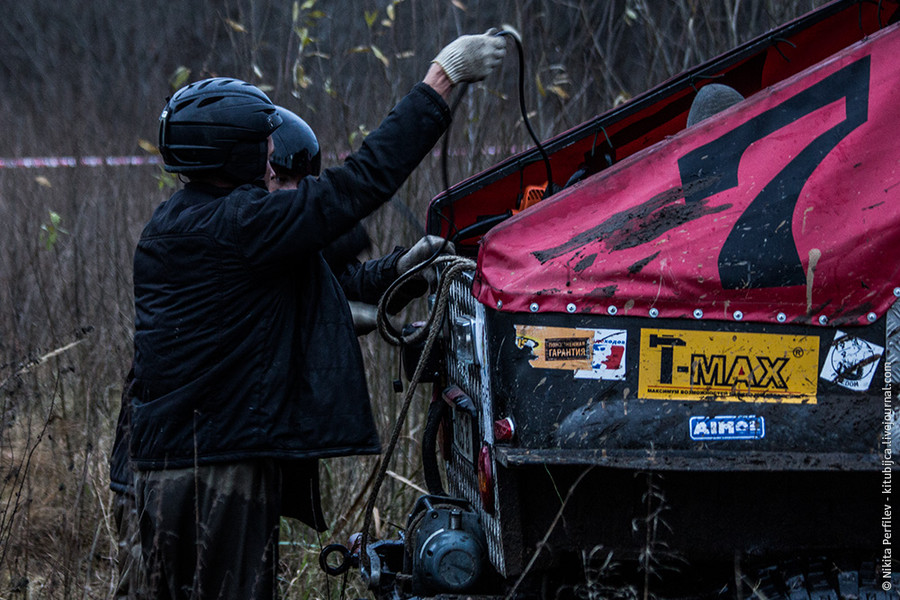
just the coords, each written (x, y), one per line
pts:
(728, 366)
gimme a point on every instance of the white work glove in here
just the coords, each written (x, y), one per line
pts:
(471, 57)
(422, 251)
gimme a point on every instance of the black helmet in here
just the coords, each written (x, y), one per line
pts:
(296, 147)
(217, 125)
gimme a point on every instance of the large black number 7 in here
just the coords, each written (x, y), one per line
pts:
(760, 251)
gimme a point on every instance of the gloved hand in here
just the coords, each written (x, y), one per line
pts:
(421, 282)
(365, 317)
(422, 251)
(471, 57)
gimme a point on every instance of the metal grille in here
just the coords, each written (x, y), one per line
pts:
(463, 484)
(473, 380)
(462, 303)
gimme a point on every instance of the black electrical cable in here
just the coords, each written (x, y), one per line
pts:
(437, 410)
(445, 169)
(524, 111)
(452, 230)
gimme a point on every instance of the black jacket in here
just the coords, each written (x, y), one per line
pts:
(120, 475)
(244, 345)
(363, 282)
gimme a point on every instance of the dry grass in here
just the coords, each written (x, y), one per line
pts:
(92, 79)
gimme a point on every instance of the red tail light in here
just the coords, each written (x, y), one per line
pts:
(486, 479)
(504, 430)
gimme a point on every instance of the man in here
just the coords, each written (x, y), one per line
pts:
(295, 155)
(246, 364)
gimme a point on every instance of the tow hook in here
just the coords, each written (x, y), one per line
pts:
(347, 559)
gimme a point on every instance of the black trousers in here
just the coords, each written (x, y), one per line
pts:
(128, 556)
(211, 531)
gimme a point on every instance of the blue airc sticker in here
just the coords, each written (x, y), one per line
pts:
(728, 427)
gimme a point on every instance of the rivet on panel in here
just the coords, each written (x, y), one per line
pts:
(499, 304)
(654, 312)
(897, 291)
(872, 317)
(612, 310)
(698, 314)
(570, 307)
(781, 317)
(534, 307)
(738, 315)
(823, 320)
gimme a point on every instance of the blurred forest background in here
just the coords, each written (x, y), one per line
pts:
(90, 78)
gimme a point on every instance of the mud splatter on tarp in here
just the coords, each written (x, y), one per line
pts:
(643, 223)
(607, 291)
(585, 262)
(639, 265)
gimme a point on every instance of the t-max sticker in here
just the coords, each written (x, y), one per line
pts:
(589, 353)
(728, 427)
(851, 362)
(727, 366)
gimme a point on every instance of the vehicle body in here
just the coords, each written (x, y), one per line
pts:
(675, 373)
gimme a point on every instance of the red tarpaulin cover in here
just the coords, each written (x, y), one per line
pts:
(784, 203)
